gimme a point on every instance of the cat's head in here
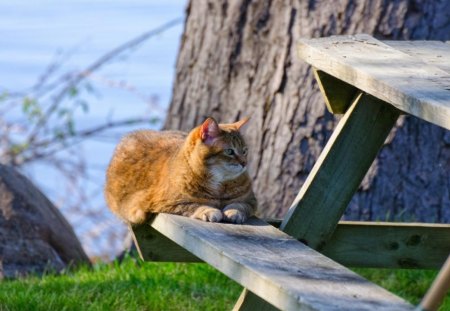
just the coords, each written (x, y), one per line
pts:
(222, 148)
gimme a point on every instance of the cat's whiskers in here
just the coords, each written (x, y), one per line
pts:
(221, 174)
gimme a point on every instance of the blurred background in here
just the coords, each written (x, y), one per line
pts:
(74, 77)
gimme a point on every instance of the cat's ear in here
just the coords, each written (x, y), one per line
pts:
(237, 125)
(209, 131)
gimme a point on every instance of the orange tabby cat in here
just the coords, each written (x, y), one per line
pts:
(201, 174)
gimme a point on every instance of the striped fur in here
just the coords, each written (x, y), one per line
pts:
(192, 174)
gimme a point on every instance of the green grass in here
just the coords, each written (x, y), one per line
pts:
(406, 283)
(156, 286)
(126, 286)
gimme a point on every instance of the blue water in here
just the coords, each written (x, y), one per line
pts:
(33, 33)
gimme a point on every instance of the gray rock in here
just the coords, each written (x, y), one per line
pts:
(34, 236)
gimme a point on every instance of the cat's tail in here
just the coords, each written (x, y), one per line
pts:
(130, 210)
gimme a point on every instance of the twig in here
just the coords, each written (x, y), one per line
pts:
(95, 66)
(49, 144)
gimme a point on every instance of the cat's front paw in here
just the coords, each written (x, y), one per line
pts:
(234, 216)
(208, 214)
(236, 213)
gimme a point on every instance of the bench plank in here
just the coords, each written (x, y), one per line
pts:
(275, 266)
(411, 84)
(353, 244)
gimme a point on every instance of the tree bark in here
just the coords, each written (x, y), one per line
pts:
(238, 58)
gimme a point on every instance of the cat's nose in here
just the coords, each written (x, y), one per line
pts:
(242, 161)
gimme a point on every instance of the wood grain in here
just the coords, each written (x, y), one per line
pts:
(412, 85)
(283, 271)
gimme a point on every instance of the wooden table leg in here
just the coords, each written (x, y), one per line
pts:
(438, 289)
(339, 170)
(335, 177)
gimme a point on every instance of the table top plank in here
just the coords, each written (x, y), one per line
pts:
(270, 263)
(409, 83)
(436, 53)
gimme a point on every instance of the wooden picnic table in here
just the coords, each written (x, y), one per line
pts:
(372, 83)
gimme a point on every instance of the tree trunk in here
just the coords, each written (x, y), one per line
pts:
(238, 58)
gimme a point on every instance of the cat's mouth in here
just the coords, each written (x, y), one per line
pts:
(238, 168)
(228, 172)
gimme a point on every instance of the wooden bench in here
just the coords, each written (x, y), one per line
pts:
(371, 83)
(268, 262)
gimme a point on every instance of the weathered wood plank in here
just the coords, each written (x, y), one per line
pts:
(338, 94)
(410, 84)
(288, 274)
(389, 245)
(436, 53)
(354, 244)
(339, 171)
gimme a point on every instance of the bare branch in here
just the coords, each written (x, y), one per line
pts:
(42, 130)
(48, 147)
(97, 65)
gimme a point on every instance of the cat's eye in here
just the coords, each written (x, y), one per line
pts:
(229, 152)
